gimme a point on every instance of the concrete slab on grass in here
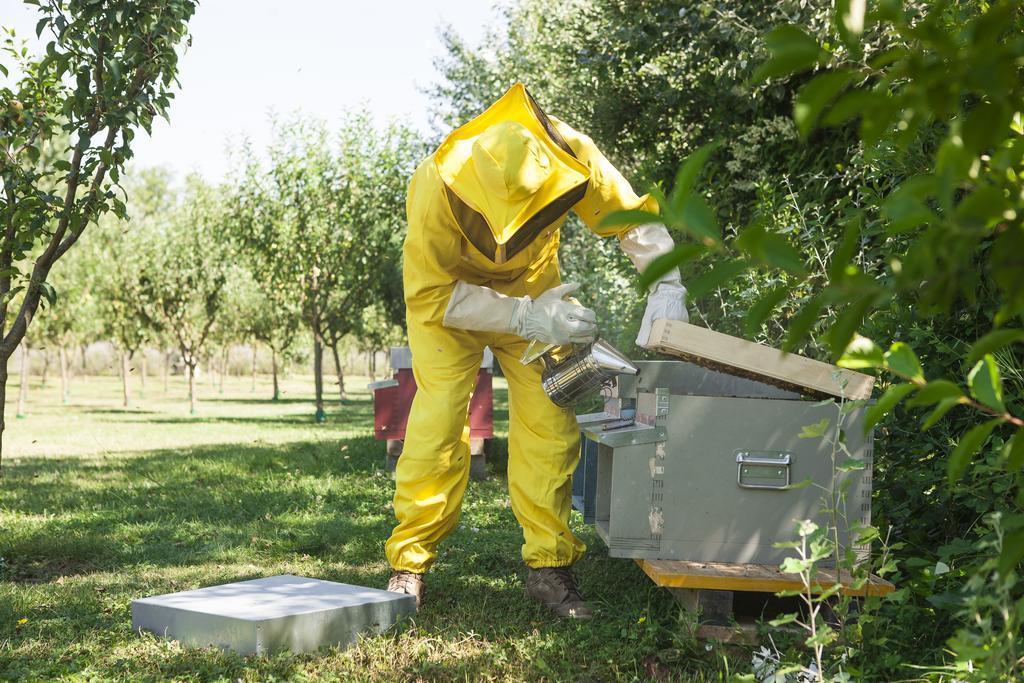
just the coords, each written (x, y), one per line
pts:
(275, 613)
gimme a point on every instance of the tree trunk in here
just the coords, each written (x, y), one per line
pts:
(143, 368)
(46, 368)
(83, 348)
(273, 367)
(253, 365)
(340, 371)
(64, 384)
(3, 403)
(167, 370)
(192, 399)
(223, 367)
(23, 389)
(318, 377)
(124, 379)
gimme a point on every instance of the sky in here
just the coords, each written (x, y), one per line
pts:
(251, 57)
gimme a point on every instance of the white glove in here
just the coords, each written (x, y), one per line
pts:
(667, 300)
(553, 320)
(549, 319)
(667, 296)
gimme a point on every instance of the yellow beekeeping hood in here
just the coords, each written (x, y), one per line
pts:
(508, 174)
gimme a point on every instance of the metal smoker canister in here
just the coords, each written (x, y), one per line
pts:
(585, 371)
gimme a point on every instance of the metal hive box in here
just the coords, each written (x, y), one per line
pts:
(679, 377)
(707, 472)
(710, 478)
(275, 613)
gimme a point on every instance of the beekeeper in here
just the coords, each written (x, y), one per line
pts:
(481, 269)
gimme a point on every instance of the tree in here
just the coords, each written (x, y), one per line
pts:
(188, 265)
(72, 318)
(269, 315)
(865, 185)
(366, 299)
(324, 222)
(108, 69)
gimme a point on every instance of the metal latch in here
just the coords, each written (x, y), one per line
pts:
(763, 469)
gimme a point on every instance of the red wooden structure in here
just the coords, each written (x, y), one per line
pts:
(391, 404)
(392, 400)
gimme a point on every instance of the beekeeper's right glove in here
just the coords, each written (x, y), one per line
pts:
(549, 318)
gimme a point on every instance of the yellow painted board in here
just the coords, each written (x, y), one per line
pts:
(755, 361)
(757, 578)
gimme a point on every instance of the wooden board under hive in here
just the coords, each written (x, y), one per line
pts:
(744, 358)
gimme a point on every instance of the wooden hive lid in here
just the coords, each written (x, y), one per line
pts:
(744, 358)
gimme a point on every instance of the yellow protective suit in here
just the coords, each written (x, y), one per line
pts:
(486, 208)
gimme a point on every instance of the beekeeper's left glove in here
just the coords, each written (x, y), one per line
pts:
(667, 297)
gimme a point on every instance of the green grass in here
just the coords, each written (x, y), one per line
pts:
(100, 505)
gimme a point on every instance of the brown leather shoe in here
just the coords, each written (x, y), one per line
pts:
(408, 583)
(555, 588)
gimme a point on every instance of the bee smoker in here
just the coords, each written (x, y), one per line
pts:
(575, 371)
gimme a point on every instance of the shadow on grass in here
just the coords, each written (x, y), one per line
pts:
(111, 411)
(172, 507)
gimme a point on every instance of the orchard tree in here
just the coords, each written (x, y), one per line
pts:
(107, 70)
(270, 316)
(326, 221)
(366, 297)
(122, 298)
(73, 319)
(188, 265)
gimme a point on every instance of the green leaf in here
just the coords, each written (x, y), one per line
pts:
(794, 565)
(663, 264)
(689, 172)
(814, 431)
(698, 219)
(783, 620)
(799, 485)
(902, 360)
(770, 248)
(1013, 451)
(801, 323)
(49, 293)
(847, 323)
(935, 391)
(813, 97)
(861, 353)
(993, 341)
(714, 278)
(792, 51)
(892, 396)
(986, 384)
(847, 248)
(850, 105)
(939, 412)
(630, 217)
(850, 20)
(1012, 554)
(762, 308)
(967, 448)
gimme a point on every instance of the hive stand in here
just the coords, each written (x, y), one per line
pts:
(709, 591)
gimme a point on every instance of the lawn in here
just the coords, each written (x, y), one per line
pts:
(100, 505)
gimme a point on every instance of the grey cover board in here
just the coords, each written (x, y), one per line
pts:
(714, 488)
(275, 613)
